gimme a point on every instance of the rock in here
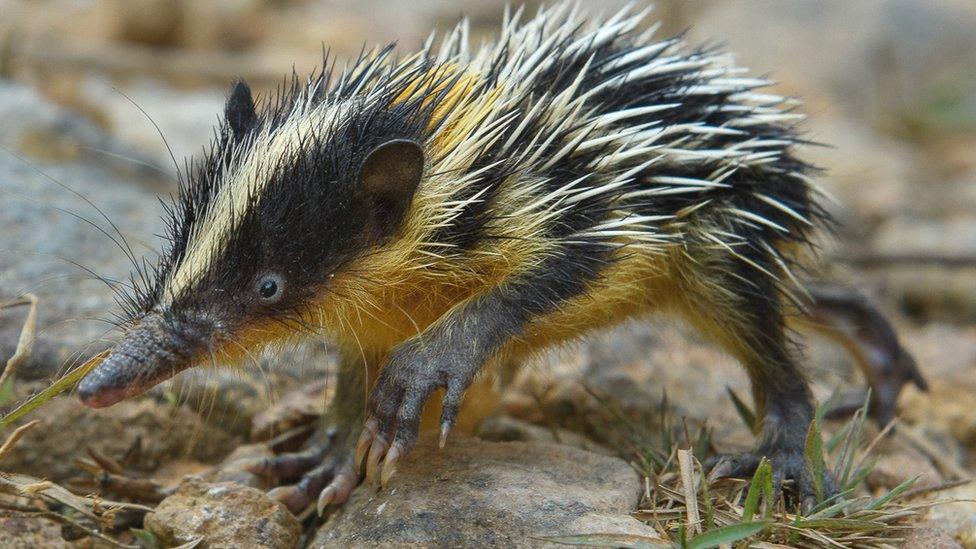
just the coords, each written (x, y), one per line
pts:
(158, 431)
(229, 400)
(223, 514)
(929, 538)
(636, 364)
(947, 356)
(956, 518)
(38, 128)
(478, 494)
(895, 468)
(30, 532)
(298, 407)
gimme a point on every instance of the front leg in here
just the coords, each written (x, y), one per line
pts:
(447, 356)
(451, 352)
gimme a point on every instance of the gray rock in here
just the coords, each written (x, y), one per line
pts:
(29, 532)
(956, 518)
(483, 494)
(223, 514)
(185, 118)
(929, 538)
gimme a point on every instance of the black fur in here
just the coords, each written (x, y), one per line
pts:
(239, 110)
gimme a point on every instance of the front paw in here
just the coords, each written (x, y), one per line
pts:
(323, 472)
(410, 376)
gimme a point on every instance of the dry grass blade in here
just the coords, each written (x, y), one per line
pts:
(25, 342)
(687, 468)
(748, 514)
(21, 485)
(11, 441)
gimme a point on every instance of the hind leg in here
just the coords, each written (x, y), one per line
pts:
(744, 315)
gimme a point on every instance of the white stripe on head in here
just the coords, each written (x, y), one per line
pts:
(247, 178)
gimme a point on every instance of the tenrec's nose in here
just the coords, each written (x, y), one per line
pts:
(103, 386)
(148, 354)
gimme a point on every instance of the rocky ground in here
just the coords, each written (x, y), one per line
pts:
(890, 85)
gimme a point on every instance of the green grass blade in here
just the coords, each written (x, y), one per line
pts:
(146, 539)
(837, 438)
(67, 381)
(763, 475)
(727, 534)
(832, 505)
(845, 461)
(894, 493)
(707, 498)
(862, 473)
(813, 455)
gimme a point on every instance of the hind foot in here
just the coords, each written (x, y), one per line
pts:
(787, 464)
(323, 472)
(871, 340)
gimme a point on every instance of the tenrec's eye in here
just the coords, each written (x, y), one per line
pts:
(270, 287)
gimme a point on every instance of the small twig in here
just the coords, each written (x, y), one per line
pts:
(141, 490)
(11, 441)
(925, 490)
(25, 342)
(104, 461)
(291, 439)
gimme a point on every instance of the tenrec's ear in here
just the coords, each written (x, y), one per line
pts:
(390, 175)
(239, 109)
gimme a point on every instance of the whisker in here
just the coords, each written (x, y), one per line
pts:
(123, 245)
(131, 159)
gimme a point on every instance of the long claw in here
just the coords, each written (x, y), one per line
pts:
(325, 498)
(365, 441)
(376, 453)
(362, 446)
(390, 463)
(445, 430)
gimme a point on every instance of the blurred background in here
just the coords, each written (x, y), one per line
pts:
(89, 89)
